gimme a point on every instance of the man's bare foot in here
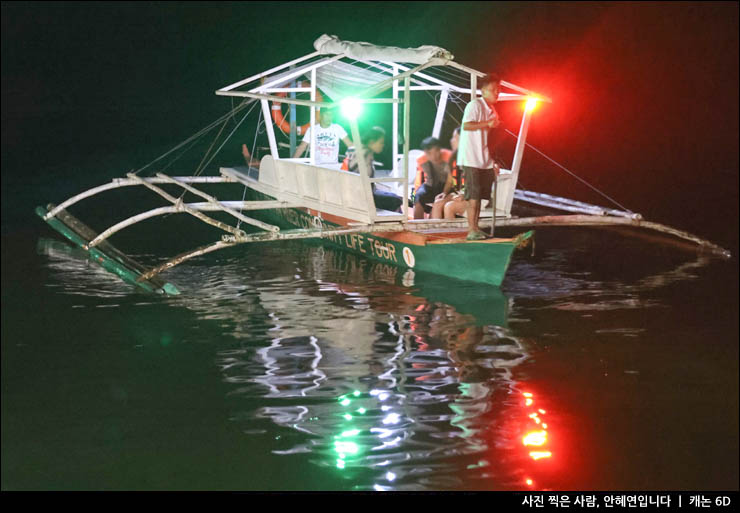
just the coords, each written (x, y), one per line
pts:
(245, 152)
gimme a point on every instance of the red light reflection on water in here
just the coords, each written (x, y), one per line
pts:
(538, 438)
(535, 438)
(536, 435)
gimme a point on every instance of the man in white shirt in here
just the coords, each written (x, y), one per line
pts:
(328, 135)
(473, 155)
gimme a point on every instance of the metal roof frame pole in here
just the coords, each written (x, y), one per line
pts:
(268, 72)
(259, 96)
(281, 80)
(440, 113)
(517, 162)
(270, 129)
(293, 124)
(396, 171)
(387, 84)
(406, 135)
(493, 205)
(441, 83)
(312, 119)
(473, 87)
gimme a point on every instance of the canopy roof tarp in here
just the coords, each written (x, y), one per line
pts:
(336, 79)
(327, 44)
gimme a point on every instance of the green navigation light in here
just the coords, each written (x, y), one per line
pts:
(351, 108)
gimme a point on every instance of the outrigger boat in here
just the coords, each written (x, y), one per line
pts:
(294, 198)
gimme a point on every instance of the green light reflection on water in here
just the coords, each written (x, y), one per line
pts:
(343, 448)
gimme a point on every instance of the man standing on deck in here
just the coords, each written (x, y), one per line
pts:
(328, 135)
(473, 156)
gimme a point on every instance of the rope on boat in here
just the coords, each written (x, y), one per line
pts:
(183, 152)
(457, 100)
(200, 167)
(203, 165)
(254, 145)
(198, 134)
(225, 140)
(573, 174)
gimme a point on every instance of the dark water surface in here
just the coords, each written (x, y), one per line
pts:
(602, 363)
(619, 357)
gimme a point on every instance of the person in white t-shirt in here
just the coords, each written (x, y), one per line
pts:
(473, 155)
(328, 135)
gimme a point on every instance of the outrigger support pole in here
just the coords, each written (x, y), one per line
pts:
(311, 233)
(593, 220)
(214, 201)
(124, 182)
(199, 215)
(185, 256)
(174, 209)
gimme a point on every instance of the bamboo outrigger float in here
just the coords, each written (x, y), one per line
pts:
(294, 198)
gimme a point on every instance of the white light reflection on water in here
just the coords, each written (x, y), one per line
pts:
(405, 389)
(377, 379)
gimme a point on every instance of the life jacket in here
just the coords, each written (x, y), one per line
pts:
(420, 178)
(447, 156)
(345, 162)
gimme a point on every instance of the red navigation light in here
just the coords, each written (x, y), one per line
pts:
(531, 104)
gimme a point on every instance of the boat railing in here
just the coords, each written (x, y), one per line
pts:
(332, 191)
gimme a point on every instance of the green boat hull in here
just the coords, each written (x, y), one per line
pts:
(480, 262)
(476, 261)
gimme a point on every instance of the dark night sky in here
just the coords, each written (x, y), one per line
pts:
(645, 94)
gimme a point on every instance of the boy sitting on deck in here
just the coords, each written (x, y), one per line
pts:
(433, 176)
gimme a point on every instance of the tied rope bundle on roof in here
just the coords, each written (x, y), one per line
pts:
(327, 44)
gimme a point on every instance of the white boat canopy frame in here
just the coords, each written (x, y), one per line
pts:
(369, 74)
(377, 74)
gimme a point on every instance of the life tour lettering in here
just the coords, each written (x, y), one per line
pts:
(360, 267)
(366, 245)
(355, 241)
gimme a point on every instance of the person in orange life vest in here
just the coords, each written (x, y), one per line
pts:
(479, 167)
(448, 206)
(434, 176)
(328, 135)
